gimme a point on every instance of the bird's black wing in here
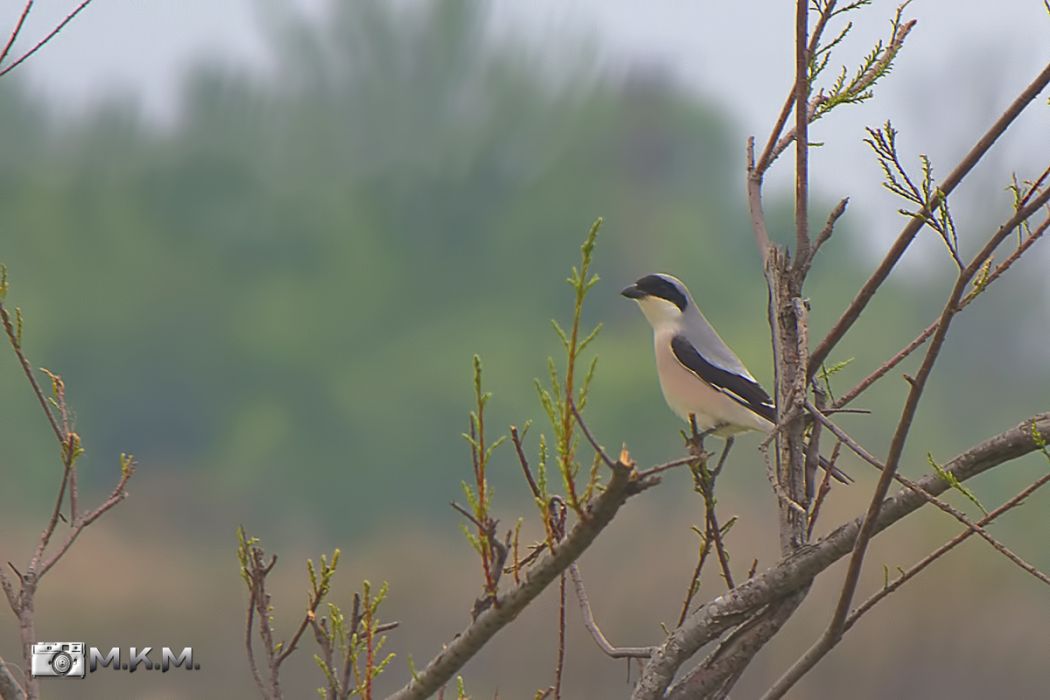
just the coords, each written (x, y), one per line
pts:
(744, 390)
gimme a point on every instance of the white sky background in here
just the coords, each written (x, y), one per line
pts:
(961, 65)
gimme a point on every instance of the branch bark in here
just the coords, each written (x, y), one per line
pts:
(625, 482)
(712, 619)
(9, 687)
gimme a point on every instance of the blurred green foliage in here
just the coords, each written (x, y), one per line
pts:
(283, 289)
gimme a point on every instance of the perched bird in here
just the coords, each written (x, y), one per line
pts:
(698, 372)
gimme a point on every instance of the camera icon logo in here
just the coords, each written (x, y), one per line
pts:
(57, 660)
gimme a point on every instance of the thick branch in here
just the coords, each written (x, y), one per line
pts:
(716, 675)
(710, 620)
(623, 484)
(9, 687)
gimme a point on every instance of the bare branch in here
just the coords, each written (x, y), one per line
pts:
(801, 134)
(116, 496)
(623, 484)
(912, 228)
(758, 170)
(713, 618)
(592, 625)
(27, 368)
(944, 549)
(10, 689)
(590, 437)
(523, 460)
(822, 492)
(719, 671)
(16, 31)
(51, 35)
(917, 342)
(900, 435)
(829, 225)
(908, 483)
(811, 657)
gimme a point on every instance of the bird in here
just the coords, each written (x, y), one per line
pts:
(701, 377)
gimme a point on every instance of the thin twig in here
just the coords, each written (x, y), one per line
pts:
(249, 643)
(116, 496)
(45, 536)
(523, 460)
(907, 350)
(865, 82)
(592, 625)
(623, 484)
(915, 224)
(16, 31)
(694, 581)
(590, 437)
(908, 483)
(711, 619)
(28, 370)
(559, 667)
(829, 225)
(943, 549)
(822, 492)
(833, 634)
(652, 471)
(768, 156)
(720, 549)
(900, 435)
(40, 44)
(802, 242)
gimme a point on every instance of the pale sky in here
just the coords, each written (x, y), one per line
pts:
(962, 64)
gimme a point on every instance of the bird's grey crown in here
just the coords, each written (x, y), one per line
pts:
(664, 287)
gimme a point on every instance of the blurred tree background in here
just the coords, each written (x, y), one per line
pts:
(273, 303)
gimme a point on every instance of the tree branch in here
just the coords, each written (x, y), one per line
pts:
(592, 625)
(51, 35)
(944, 549)
(710, 620)
(915, 224)
(900, 435)
(718, 673)
(975, 528)
(10, 689)
(801, 134)
(917, 342)
(624, 483)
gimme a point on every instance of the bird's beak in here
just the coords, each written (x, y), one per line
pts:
(632, 292)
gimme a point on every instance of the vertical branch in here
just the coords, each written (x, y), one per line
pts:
(574, 345)
(868, 527)
(559, 669)
(491, 551)
(801, 134)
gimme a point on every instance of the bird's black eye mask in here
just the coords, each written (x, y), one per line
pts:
(657, 286)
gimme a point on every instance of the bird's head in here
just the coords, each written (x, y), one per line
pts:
(662, 298)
